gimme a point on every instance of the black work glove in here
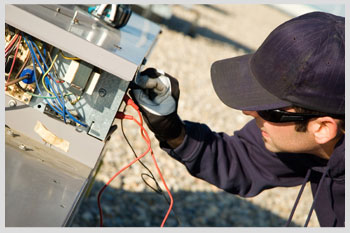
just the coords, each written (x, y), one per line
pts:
(157, 96)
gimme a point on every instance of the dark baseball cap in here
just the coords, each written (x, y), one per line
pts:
(301, 63)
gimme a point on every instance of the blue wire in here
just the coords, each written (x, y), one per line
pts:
(41, 68)
(59, 112)
(46, 66)
(44, 47)
(41, 56)
(63, 105)
(59, 89)
(61, 101)
(36, 80)
(68, 113)
(46, 79)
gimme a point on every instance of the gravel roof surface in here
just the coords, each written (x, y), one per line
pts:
(222, 31)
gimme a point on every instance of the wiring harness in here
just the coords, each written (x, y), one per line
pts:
(55, 98)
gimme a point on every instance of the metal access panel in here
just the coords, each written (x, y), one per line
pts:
(72, 29)
(51, 159)
(118, 54)
(42, 186)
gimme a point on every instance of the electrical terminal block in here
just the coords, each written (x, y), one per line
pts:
(93, 80)
(77, 76)
(51, 113)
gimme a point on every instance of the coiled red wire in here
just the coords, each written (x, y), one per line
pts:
(144, 134)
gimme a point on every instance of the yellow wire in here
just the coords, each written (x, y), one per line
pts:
(46, 97)
(43, 79)
(73, 102)
(68, 58)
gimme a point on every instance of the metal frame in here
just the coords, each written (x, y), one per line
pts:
(119, 52)
(44, 184)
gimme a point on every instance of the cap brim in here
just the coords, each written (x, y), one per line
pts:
(237, 87)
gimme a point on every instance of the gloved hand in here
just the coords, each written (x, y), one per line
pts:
(157, 97)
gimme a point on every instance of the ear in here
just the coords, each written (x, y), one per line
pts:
(324, 129)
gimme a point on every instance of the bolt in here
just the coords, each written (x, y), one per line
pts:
(79, 128)
(22, 147)
(102, 92)
(117, 46)
(12, 103)
(11, 133)
(74, 19)
(25, 99)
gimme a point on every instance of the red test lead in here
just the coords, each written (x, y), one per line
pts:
(144, 134)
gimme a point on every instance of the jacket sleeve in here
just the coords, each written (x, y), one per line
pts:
(239, 164)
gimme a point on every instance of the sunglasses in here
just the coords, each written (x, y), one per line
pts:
(280, 116)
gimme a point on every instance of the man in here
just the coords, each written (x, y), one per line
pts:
(294, 87)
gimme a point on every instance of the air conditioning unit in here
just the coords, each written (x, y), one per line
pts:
(67, 70)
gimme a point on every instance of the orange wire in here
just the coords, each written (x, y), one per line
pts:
(8, 47)
(14, 60)
(115, 175)
(148, 141)
(164, 183)
(145, 136)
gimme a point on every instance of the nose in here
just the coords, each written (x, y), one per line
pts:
(251, 113)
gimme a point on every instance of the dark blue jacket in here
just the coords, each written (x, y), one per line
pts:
(240, 164)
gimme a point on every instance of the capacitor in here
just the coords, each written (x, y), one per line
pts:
(30, 72)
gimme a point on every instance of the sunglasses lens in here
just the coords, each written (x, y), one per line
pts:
(280, 116)
(269, 115)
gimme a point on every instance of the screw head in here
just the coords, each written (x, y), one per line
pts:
(22, 147)
(102, 92)
(117, 46)
(10, 132)
(12, 103)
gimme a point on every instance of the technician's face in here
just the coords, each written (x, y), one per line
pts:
(282, 137)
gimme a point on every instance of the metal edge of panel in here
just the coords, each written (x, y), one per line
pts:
(44, 159)
(98, 128)
(24, 21)
(83, 154)
(84, 191)
(76, 204)
(146, 35)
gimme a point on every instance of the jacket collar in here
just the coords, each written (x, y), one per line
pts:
(336, 162)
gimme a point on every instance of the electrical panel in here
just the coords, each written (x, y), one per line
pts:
(90, 63)
(67, 69)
